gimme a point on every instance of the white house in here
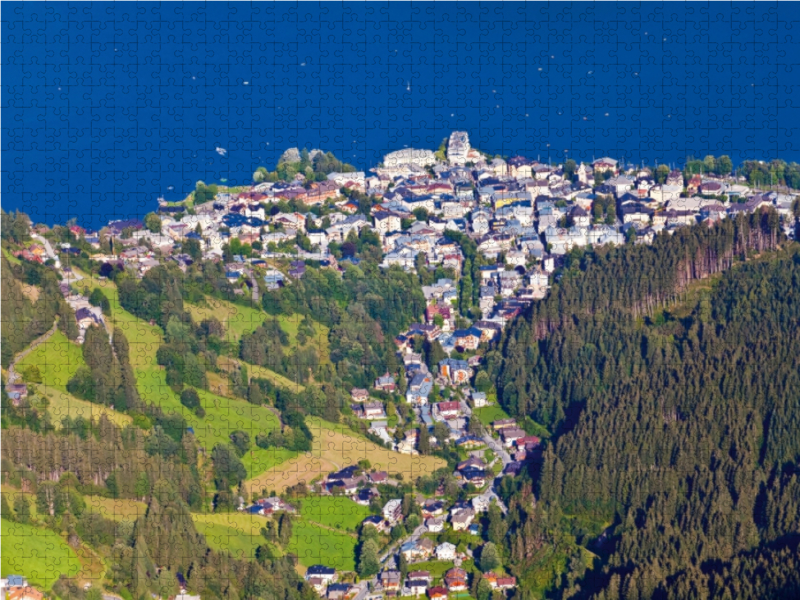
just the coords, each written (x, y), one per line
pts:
(445, 551)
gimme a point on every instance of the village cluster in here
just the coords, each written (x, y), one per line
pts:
(522, 216)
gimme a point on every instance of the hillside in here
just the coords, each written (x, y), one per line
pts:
(676, 418)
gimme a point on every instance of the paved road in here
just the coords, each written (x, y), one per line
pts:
(48, 248)
(501, 452)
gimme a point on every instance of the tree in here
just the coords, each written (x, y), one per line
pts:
(98, 298)
(662, 172)
(190, 399)
(724, 165)
(424, 442)
(368, 563)
(241, 441)
(152, 222)
(490, 559)
(228, 469)
(22, 508)
(285, 529)
(192, 248)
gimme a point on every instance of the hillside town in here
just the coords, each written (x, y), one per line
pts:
(494, 231)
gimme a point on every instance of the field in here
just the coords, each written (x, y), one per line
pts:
(335, 447)
(223, 415)
(314, 544)
(62, 404)
(338, 512)
(240, 534)
(57, 359)
(487, 414)
(38, 554)
(238, 320)
(228, 364)
(116, 509)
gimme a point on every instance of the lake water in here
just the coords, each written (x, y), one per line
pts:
(105, 107)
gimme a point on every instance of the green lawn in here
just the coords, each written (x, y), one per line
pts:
(314, 544)
(223, 415)
(338, 512)
(57, 359)
(38, 554)
(62, 404)
(487, 414)
(239, 534)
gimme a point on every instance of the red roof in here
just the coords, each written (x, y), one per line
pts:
(447, 406)
(437, 591)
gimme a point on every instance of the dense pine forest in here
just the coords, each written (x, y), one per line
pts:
(670, 378)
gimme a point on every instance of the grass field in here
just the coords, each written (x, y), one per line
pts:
(487, 414)
(314, 544)
(338, 512)
(116, 509)
(228, 364)
(240, 535)
(38, 554)
(57, 359)
(335, 447)
(238, 320)
(62, 404)
(223, 415)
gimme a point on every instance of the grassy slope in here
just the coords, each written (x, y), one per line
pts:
(239, 320)
(62, 404)
(240, 534)
(487, 414)
(57, 359)
(116, 509)
(223, 415)
(335, 447)
(338, 512)
(38, 554)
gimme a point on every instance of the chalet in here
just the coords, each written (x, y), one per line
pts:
(456, 579)
(432, 508)
(437, 593)
(393, 511)
(419, 389)
(359, 395)
(370, 410)
(379, 477)
(472, 461)
(390, 580)
(462, 519)
(435, 524)
(503, 424)
(385, 383)
(326, 574)
(456, 371)
(506, 583)
(338, 591)
(513, 468)
(469, 442)
(511, 434)
(416, 587)
(447, 410)
(468, 339)
(421, 576)
(479, 400)
(489, 330)
(474, 475)
(377, 522)
(605, 164)
(445, 551)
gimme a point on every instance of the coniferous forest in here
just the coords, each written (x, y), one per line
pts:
(669, 376)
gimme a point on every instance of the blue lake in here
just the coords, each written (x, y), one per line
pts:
(108, 106)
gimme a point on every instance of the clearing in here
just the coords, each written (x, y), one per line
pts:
(40, 555)
(223, 415)
(62, 404)
(57, 359)
(335, 447)
(487, 414)
(120, 509)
